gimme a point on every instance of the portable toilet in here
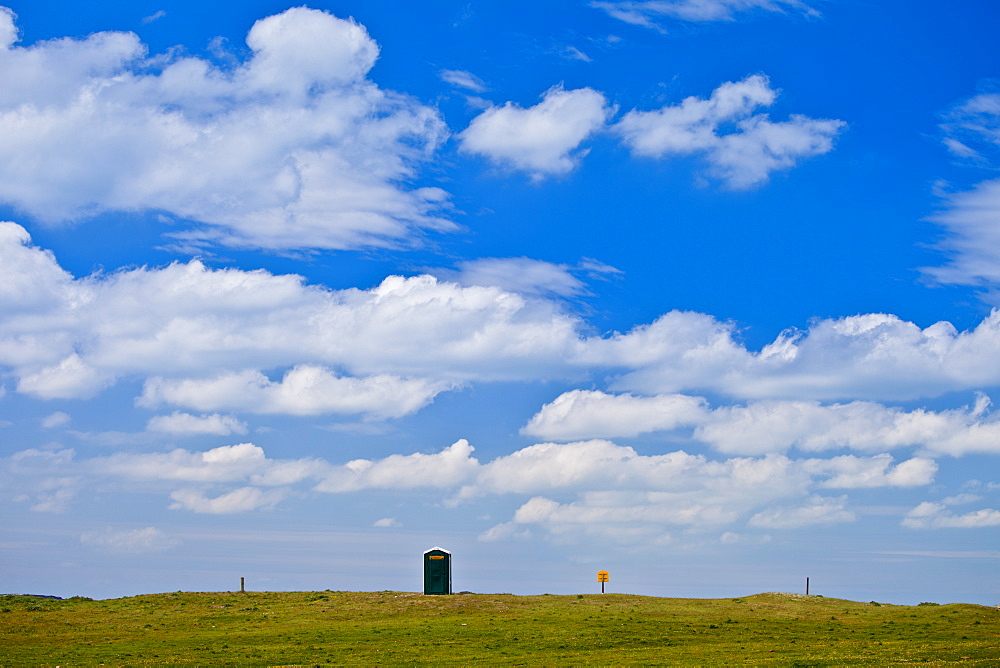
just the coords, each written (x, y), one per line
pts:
(437, 571)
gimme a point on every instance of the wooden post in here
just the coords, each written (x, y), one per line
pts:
(242, 590)
(807, 586)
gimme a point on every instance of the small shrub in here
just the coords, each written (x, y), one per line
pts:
(927, 603)
(876, 604)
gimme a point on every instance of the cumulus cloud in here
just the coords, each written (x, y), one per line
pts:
(239, 500)
(612, 484)
(527, 276)
(597, 486)
(244, 462)
(443, 470)
(57, 419)
(642, 517)
(871, 356)
(222, 340)
(186, 424)
(817, 511)
(642, 494)
(931, 515)
(8, 30)
(204, 338)
(742, 158)
(304, 390)
(594, 414)
(541, 140)
(648, 13)
(850, 472)
(769, 426)
(294, 148)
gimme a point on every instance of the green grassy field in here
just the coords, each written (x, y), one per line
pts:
(391, 628)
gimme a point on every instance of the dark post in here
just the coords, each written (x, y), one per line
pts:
(242, 590)
(807, 586)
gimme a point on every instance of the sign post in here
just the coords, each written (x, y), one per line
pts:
(602, 577)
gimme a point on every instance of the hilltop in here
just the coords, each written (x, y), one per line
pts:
(390, 627)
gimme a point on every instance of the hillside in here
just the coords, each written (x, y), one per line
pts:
(319, 628)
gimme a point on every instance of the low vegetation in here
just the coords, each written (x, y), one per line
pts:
(388, 628)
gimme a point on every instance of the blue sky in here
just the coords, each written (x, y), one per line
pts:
(698, 292)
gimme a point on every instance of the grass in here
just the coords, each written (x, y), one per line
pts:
(392, 628)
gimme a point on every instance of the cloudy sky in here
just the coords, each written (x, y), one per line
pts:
(698, 292)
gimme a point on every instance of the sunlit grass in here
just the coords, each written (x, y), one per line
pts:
(320, 628)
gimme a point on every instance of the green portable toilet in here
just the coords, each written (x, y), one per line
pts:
(437, 571)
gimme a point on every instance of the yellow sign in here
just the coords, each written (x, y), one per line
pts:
(436, 556)
(602, 576)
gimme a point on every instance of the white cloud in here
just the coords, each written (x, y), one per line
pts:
(929, 515)
(975, 121)
(69, 378)
(463, 79)
(222, 340)
(46, 480)
(8, 29)
(573, 53)
(647, 13)
(54, 495)
(769, 426)
(590, 487)
(971, 132)
(817, 511)
(155, 16)
(304, 390)
(642, 494)
(443, 470)
(57, 419)
(130, 541)
(244, 462)
(639, 509)
(525, 275)
(223, 464)
(600, 464)
(774, 426)
(742, 158)
(594, 414)
(185, 423)
(294, 148)
(205, 337)
(972, 241)
(876, 356)
(850, 472)
(505, 531)
(747, 157)
(387, 523)
(543, 139)
(240, 500)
